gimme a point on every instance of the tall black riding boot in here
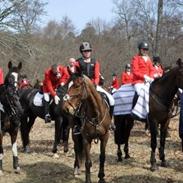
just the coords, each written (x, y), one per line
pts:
(47, 116)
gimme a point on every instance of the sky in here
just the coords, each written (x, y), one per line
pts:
(79, 11)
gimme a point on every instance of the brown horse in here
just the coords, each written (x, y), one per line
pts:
(82, 100)
(162, 92)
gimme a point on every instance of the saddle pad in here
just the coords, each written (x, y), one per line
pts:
(123, 99)
(38, 99)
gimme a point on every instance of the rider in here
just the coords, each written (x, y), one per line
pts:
(54, 76)
(142, 67)
(91, 68)
(126, 76)
(24, 82)
(158, 70)
(115, 84)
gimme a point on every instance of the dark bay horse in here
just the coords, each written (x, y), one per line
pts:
(10, 113)
(83, 101)
(31, 112)
(162, 92)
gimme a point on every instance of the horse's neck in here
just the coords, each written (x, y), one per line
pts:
(94, 101)
(165, 88)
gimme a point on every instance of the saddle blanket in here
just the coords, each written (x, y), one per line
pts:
(38, 99)
(124, 100)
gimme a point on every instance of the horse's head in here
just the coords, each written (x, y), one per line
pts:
(13, 74)
(77, 92)
(9, 96)
(179, 78)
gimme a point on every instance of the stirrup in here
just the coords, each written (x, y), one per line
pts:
(76, 130)
(47, 118)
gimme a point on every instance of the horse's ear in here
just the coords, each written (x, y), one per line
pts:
(179, 62)
(10, 64)
(20, 65)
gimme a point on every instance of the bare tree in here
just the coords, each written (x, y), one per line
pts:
(27, 15)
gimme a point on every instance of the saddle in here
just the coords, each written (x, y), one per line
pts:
(38, 99)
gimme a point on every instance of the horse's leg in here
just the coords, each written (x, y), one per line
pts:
(1, 153)
(119, 153)
(26, 125)
(58, 126)
(65, 133)
(88, 163)
(14, 150)
(153, 131)
(117, 136)
(103, 144)
(163, 133)
(78, 149)
(129, 124)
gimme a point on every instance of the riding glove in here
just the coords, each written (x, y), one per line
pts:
(56, 99)
(147, 79)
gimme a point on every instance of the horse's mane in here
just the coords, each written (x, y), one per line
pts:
(165, 76)
(97, 99)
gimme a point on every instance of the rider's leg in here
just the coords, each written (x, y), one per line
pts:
(46, 101)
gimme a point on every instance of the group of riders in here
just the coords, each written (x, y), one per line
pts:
(140, 71)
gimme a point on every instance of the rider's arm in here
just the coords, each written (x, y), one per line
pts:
(49, 84)
(97, 73)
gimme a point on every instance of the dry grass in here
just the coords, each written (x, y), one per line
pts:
(40, 167)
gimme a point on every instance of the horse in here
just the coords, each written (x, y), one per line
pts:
(10, 112)
(31, 112)
(83, 101)
(161, 95)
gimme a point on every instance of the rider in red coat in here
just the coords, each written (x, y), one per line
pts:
(54, 76)
(142, 67)
(158, 70)
(127, 76)
(1, 76)
(115, 83)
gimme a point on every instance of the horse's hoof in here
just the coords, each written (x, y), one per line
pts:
(17, 170)
(101, 181)
(154, 168)
(66, 149)
(119, 159)
(127, 156)
(55, 156)
(164, 164)
(26, 150)
(1, 173)
(76, 172)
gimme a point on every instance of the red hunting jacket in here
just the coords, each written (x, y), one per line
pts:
(115, 83)
(93, 71)
(140, 67)
(1, 77)
(158, 71)
(126, 78)
(51, 81)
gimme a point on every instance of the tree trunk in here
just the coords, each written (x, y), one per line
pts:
(158, 27)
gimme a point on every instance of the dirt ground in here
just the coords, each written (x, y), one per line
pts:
(40, 167)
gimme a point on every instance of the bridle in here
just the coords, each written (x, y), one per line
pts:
(82, 104)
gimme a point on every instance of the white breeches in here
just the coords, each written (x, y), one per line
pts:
(109, 96)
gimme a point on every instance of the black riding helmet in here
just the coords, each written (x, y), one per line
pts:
(128, 66)
(156, 59)
(85, 46)
(143, 45)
